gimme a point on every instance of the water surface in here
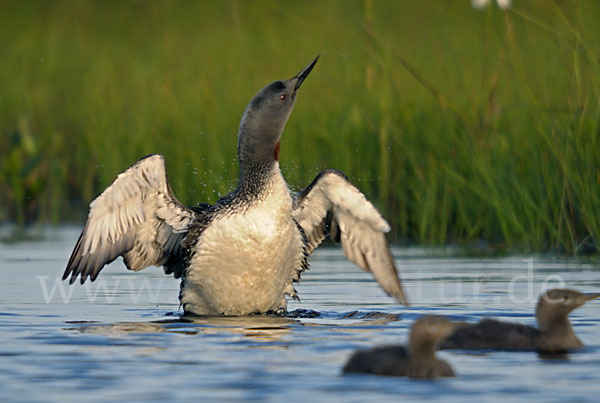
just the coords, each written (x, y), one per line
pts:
(122, 337)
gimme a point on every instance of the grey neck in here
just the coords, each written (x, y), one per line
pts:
(257, 138)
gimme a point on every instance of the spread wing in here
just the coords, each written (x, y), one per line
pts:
(332, 206)
(136, 217)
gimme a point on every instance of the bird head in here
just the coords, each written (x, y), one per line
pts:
(559, 302)
(265, 117)
(430, 330)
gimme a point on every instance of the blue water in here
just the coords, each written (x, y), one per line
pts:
(122, 337)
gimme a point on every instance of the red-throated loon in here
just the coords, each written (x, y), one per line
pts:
(416, 361)
(553, 335)
(241, 255)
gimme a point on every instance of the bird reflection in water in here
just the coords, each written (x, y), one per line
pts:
(258, 328)
(265, 328)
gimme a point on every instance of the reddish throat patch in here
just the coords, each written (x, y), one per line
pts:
(276, 152)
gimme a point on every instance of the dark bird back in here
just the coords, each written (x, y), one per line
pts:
(492, 334)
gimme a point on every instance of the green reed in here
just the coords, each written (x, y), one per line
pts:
(462, 125)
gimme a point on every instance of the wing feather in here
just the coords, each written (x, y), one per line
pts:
(332, 206)
(136, 217)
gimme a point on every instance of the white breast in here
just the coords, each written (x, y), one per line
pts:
(245, 261)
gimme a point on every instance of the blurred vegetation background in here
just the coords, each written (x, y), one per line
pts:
(463, 125)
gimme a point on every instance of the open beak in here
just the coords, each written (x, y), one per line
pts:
(304, 73)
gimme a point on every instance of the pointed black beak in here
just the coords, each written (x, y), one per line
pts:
(304, 73)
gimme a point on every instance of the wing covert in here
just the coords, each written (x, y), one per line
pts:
(136, 217)
(332, 206)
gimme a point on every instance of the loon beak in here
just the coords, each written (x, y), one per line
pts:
(304, 73)
(589, 296)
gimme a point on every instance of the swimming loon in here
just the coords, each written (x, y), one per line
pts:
(416, 361)
(241, 255)
(553, 335)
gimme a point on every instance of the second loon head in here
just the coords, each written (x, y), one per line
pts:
(555, 304)
(429, 330)
(265, 117)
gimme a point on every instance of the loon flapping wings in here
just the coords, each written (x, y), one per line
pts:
(242, 254)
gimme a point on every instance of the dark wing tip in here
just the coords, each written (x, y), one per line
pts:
(94, 275)
(72, 265)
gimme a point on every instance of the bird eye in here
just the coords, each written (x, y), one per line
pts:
(283, 97)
